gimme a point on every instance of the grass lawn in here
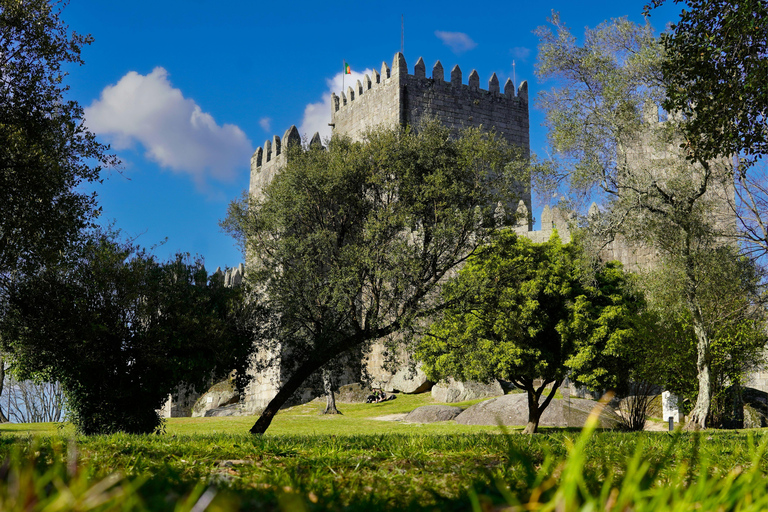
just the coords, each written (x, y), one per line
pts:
(356, 419)
(354, 462)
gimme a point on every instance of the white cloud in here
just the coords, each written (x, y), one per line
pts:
(266, 124)
(520, 53)
(318, 115)
(458, 42)
(172, 129)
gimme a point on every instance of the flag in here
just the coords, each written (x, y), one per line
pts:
(347, 69)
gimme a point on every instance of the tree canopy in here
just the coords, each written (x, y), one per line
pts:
(715, 72)
(48, 153)
(522, 312)
(120, 331)
(350, 244)
(607, 137)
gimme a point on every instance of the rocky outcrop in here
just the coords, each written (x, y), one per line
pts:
(220, 394)
(512, 410)
(407, 381)
(353, 393)
(432, 413)
(452, 391)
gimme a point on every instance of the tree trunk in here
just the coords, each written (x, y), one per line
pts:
(534, 414)
(698, 417)
(535, 409)
(3, 417)
(330, 395)
(298, 377)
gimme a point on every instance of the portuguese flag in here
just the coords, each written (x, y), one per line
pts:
(347, 69)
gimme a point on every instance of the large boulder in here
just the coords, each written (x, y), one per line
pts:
(755, 408)
(353, 393)
(513, 410)
(432, 413)
(452, 391)
(406, 380)
(220, 394)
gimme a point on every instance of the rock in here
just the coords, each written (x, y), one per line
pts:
(353, 393)
(228, 410)
(220, 394)
(451, 391)
(513, 410)
(432, 413)
(755, 408)
(407, 381)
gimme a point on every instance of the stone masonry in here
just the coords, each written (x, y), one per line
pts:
(392, 98)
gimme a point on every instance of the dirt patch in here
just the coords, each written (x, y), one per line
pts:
(390, 417)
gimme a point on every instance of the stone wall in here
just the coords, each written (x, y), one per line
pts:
(395, 97)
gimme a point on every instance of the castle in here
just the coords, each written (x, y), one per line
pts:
(395, 97)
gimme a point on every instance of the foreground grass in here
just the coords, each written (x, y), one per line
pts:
(351, 467)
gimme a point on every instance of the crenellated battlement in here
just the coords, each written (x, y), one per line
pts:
(400, 70)
(395, 97)
(271, 157)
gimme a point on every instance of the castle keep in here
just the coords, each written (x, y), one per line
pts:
(396, 98)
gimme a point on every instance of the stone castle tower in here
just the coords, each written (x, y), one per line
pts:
(392, 98)
(395, 98)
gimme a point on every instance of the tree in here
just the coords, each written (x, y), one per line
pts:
(520, 312)
(604, 128)
(715, 72)
(47, 151)
(120, 331)
(350, 244)
(734, 316)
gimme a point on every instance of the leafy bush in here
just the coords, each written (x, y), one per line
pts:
(120, 331)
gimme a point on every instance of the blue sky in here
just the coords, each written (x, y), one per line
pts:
(185, 91)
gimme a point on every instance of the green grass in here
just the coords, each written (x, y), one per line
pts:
(303, 419)
(352, 462)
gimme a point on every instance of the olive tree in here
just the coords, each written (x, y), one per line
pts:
(350, 244)
(608, 141)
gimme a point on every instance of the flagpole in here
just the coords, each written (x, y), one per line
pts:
(514, 78)
(343, 73)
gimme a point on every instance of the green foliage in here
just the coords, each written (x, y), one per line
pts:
(349, 244)
(509, 308)
(47, 150)
(120, 330)
(715, 74)
(521, 311)
(605, 327)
